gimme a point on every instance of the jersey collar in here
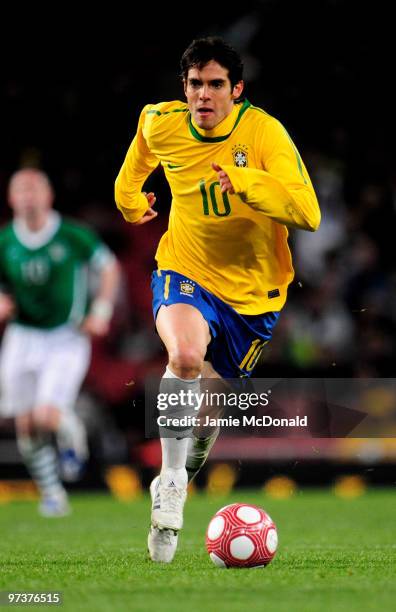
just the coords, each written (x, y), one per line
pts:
(225, 128)
(35, 240)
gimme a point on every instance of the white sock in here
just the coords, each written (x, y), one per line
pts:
(41, 460)
(174, 453)
(72, 434)
(197, 452)
(174, 450)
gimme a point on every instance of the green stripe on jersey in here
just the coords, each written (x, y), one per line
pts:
(246, 104)
(157, 112)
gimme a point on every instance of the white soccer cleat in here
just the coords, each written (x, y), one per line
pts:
(168, 502)
(54, 506)
(162, 544)
(154, 492)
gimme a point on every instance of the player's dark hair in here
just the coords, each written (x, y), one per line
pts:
(202, 50)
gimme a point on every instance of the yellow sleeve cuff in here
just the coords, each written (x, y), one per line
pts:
(238, 177)
(134, 214)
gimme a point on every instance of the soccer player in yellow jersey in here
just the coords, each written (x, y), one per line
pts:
(238, 183)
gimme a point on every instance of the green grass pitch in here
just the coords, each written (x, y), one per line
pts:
(334, 554)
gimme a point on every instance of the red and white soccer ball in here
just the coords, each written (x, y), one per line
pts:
(241, 535)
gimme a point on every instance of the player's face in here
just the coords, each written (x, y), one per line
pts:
(209, 94)
(29, 194)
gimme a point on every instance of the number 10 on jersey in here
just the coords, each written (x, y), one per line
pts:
(213, 200)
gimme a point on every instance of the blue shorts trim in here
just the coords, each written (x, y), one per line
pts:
(237, 340)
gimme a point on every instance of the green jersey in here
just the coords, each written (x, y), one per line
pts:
(47, 272)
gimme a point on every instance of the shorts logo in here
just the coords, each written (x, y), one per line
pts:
(187, 287)
(240, 155)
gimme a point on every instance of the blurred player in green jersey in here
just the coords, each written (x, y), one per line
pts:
(45, 263)
(224, 265)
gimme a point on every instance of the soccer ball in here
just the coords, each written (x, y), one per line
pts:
(241, 535)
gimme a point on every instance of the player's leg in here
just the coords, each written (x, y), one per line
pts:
(39, 455)
(18, 381)
(186, 336)
(234, 353)
(70, 434)
(201, 441)
(68, 352)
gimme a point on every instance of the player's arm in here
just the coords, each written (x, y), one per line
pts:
(97, 321)
(284, 191)
(139, 162)
(7, 306)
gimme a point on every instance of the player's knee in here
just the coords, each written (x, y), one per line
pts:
(41, 423)
(186, 361)
(24, 425)
(45, 419)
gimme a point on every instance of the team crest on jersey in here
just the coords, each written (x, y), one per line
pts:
(57, 252)
(240, 155)
(187, 287)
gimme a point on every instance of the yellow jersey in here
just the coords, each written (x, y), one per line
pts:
(235, 246)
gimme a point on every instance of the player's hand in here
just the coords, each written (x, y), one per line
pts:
(95, 326)
(7, 307)
(225, 183)
(150, 214)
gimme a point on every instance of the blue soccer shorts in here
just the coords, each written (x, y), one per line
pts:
(236, 340)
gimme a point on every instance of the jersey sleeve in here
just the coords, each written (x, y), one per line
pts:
(138, 164)
(283, 191)
(88, 247)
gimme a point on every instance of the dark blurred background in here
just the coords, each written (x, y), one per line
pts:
(72, 87)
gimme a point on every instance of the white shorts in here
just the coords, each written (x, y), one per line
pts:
(41, 367)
